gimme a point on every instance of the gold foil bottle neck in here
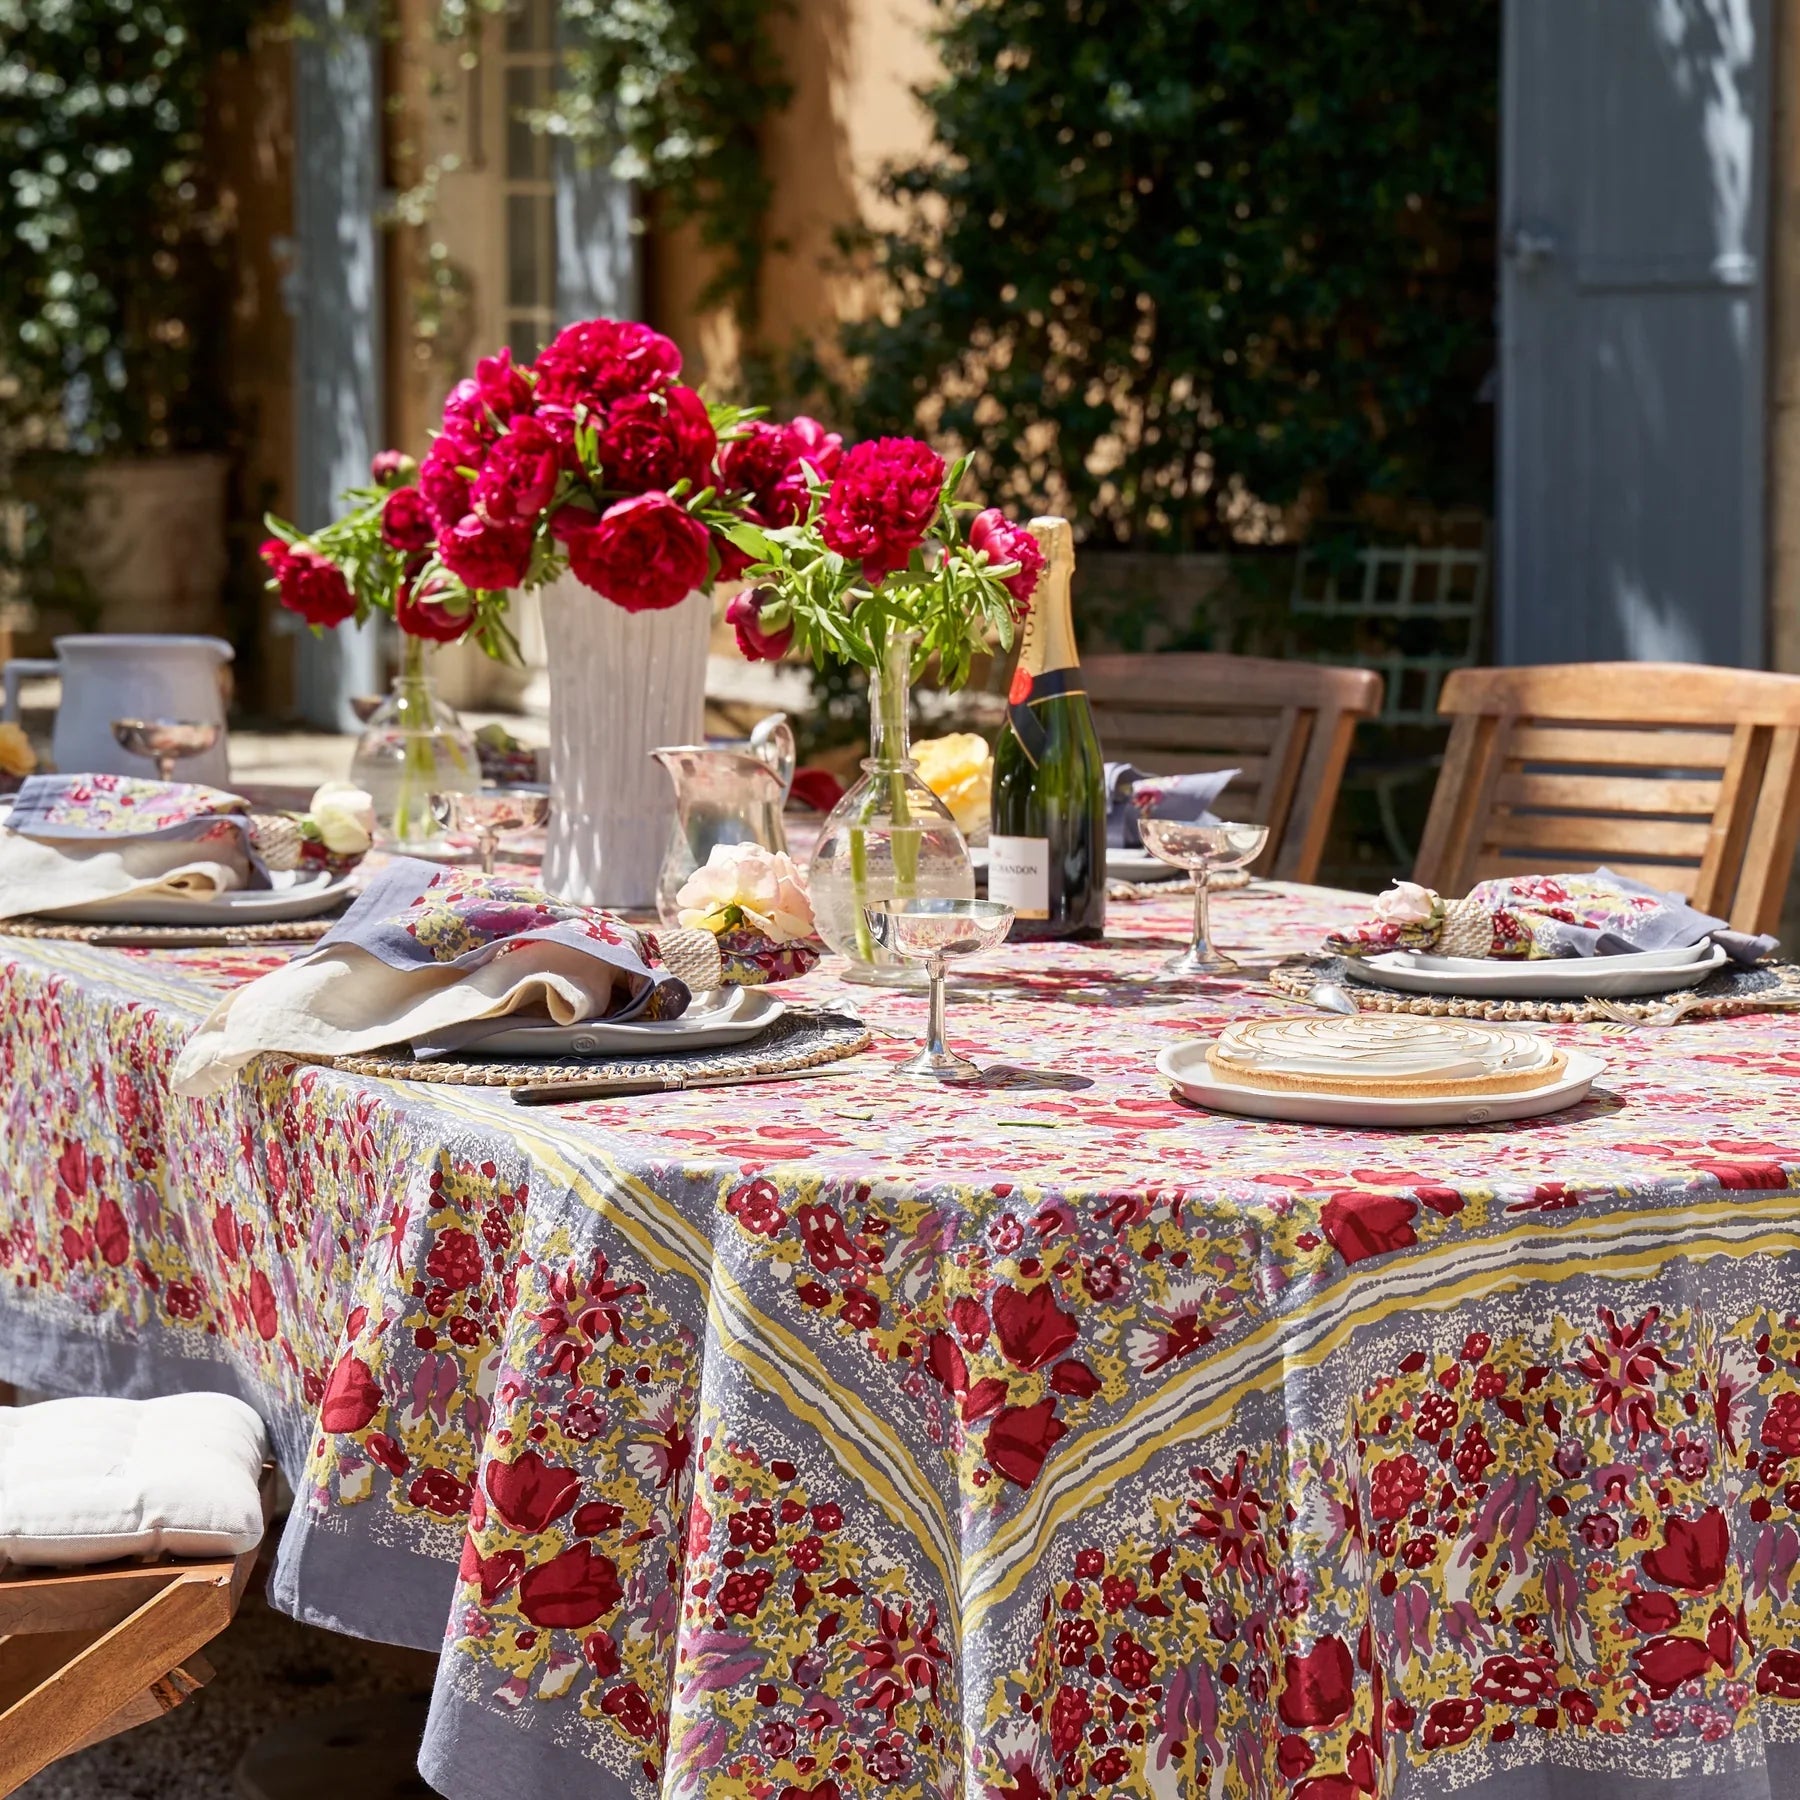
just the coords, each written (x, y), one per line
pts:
(1048, 639)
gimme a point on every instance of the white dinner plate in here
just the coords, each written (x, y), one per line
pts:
(726, 1016)
(1185, 1065)
(291, 894)
(1549, 978)
(1138, 865)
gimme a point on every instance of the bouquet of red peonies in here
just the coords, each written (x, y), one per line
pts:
(596, 460)
(875, 545)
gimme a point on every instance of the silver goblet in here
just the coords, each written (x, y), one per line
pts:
(491, 812)
(166, 741)
(1200, 846)
(931, 932)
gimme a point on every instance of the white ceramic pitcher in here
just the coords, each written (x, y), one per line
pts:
(129, 675)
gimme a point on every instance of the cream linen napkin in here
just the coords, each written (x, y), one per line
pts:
(70, 840)
(426, 949)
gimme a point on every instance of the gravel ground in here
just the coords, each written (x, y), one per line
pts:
(270, 1672)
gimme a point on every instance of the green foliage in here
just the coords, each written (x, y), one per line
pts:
(1173, 260)
(112, 273)
(675, 93)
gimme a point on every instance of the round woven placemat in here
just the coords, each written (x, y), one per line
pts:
(167, 937)
(1733, 990)
(1225, 882)
(797, 1040)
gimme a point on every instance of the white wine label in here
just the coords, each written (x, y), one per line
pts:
(1019, 875)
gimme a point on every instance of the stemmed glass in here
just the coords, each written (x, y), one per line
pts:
(491, 812)
(166, 741)
(1200, 846)
(931, 932)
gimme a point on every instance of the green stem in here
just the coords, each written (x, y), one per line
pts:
(418, 769)
(894, 695)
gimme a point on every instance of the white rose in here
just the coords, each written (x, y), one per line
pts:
(764, 886)
(1406, 903)
(345, 817)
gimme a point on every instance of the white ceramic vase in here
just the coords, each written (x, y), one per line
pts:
(621, 685)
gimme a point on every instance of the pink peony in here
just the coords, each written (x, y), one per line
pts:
(480, 404)
(311, 584)
(602, 360)
(644, 554)
(406, 520)
(484, 555)
(882, 503)
(765, 462)
(758, 641)
(651, 441)
(447, 490)
(519, 477)
(994, 534)
(435, 609)
(389, 468)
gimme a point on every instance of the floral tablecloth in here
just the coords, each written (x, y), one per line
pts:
(846, 1437)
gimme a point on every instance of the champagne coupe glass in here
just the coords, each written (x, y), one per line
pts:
(1200, 846)
(165, 741)
(931, 932)
(491, 812)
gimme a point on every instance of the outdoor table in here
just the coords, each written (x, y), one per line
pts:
(846, 1435)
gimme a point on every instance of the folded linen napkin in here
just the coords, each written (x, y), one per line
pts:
(427, 950)
(1130, 794)
(73, 839)
(1529, 917)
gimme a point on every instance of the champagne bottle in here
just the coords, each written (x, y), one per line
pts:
(1047, 844)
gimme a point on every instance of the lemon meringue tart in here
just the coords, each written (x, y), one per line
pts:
(1382, 1056)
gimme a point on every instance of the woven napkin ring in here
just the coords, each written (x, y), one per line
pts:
(691, 956)
(276, 839)
(1467, 930)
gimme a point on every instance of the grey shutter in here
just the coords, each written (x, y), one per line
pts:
(1634, 198)
(337, 317)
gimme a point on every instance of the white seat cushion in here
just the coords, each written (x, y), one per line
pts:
(84, 1481)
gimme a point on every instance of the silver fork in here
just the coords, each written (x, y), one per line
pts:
(1669, 1011)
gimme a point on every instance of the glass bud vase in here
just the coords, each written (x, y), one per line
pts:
(414, 746)
(889, 838)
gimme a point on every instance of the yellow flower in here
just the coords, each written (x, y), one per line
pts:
(16, 754)
(959, 769)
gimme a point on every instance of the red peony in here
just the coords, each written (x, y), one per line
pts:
(652, 441)
(311, 584)
(448, 491)
(1316, 1687)
(571, 1590)
(643, 554)
(602, 360)
(480, 404)
(1001, 541)
(406, 520)
(519, 477)
(882, 503)
(483, 555)
(434, 609)
(764, 461)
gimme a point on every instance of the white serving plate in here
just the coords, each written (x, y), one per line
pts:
(727, 1016)
(1552, 978)
(291, 894)
(1138, 865)
(1185, 1065)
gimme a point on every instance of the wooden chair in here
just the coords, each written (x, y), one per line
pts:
(1286, 725)
(1678, 775)
(88, 1653)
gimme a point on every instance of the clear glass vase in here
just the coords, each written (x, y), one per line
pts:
(414, 746)
(890, 837)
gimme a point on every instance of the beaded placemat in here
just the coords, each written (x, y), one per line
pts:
(1225, 882)
(1733, 990)
(797, 1040)
(168, 937)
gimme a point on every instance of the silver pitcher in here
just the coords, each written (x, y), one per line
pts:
(727, 791)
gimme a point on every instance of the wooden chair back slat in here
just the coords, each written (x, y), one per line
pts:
(1285, 725)
(1682, 776)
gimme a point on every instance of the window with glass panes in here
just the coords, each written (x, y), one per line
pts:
(528, 63)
